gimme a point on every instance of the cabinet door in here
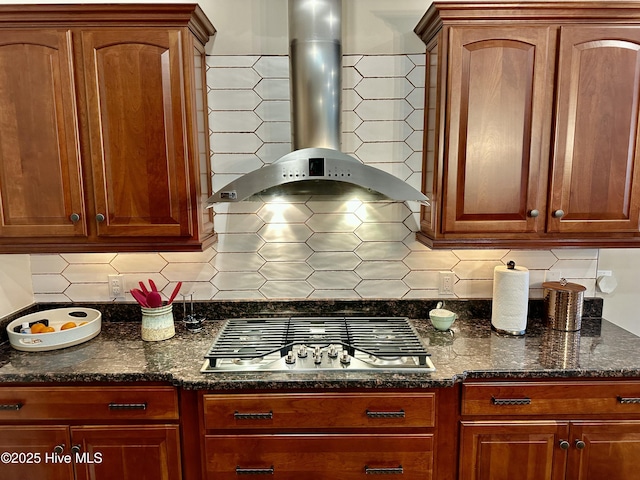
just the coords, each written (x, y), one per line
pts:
(28, 452)
(526, 450)
(132, 452)
(40, 180)
(611, 451)
(596, 162)
(498, 141)
(136, 112)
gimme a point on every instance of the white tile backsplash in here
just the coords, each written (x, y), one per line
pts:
(313, 249)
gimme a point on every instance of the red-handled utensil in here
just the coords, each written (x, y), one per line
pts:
(144, 288)
(153, 286)
(140, 297)
(154, 300)
(175, 292)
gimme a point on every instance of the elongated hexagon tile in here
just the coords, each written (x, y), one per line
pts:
(382, 289)
(532, 259)
(234, 77)
(377, 152)
(350, 100)
(271, 66)
(350, 77)
(237, 223)
(350, 142)
(88, 273)
(231, 142)
(417, 76)
(476, 270)
(377, 232)
(192, 272)
(383, 270)
(334, 294)
(285, 270)
(200, 291)
(380, 212)
(235, 121)
(88, 292)
(332, 206)
(138, 262)
(339, 222)
(350, 121)
(384, 109)
(52, 298)
(423, 279)
(235, 163)
(382, 251)
(49, 283)
(47, 263)
(416, 98)
(285, 252)
(238, 281)
(426, 294)
(384, 131)
(88, 257)
(285, 232)
(270, 152)
(286, 289)
(381, 88)
(416, 121)
(232, 100)
(415, 140)
(219, 61)
(576, 253)
(333, 261)
(237, 262)
(334, 279)
(333, 242)
(571, 269)
(474, 289)
(238, 295)
(481, 255)
(189, 257)
(431, 260)
(384, 66)
(274, 110)
(284, 213)
(278, 132)
(238, 242)
(273, 89)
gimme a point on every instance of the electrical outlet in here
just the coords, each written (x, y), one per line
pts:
(116, 286)
(446, 282)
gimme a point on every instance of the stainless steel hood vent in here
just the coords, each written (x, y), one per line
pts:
(316, 167)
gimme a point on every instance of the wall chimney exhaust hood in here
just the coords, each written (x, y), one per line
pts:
(316, 167)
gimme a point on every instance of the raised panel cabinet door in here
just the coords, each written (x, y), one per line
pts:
(604, 450)
(40, 180)
(127, 452)
(35, 452)
(527, 450)
(136, 116)
(498, 129)
(596, 161)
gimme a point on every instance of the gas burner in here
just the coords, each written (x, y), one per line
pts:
(307, 344)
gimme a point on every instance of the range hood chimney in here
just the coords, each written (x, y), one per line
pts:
(316, 167)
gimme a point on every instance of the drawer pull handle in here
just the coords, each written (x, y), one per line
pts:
(384, 471)
(11, 406)
(59, 449)
(580, 444)
(564, 444)
(127, 406)
(255, 471)
(398, 414)
(253, 416)
(511, 401)
(627, 400)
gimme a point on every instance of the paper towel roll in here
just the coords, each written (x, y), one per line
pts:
(510, 299)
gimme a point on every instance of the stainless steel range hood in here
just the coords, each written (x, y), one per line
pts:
(316, 167)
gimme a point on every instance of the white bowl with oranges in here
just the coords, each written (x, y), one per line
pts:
(54, 329)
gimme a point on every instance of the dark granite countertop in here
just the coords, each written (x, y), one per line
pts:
(469, 350)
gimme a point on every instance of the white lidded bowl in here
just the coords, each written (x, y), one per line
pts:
(442, 319)
(41, 342)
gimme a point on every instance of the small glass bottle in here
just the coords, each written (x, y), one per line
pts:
(25, 328)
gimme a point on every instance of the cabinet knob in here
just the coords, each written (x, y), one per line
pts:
(59, 449)
(564, 445)
(558, 213)
(534, 213)
(580, 444)
(100, 217)
(75, 449)
(74, 217)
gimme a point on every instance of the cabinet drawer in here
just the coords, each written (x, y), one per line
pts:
(88, 403)
(319, 456)
(319, 411)
(551, 398)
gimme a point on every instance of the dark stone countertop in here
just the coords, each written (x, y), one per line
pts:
(470, 350)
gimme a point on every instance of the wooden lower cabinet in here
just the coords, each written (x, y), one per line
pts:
(346, 456)
(550, 430)
(96, 433)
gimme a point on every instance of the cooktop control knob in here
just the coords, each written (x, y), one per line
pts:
(290, 359)
(345, 358)
(317, 356)
(302, 351)
(333, 351)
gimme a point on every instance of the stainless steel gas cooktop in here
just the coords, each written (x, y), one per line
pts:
(317, 343)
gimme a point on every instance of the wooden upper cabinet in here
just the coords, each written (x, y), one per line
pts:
(596, 176)
(103, 128)
(499, 99)
(531, 124)
(135, 102)
(40, 173)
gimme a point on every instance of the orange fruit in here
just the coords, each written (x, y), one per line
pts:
(48, 330)
(68, 325)
(38, 328)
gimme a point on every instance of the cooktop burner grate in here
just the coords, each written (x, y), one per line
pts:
(263, 343)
